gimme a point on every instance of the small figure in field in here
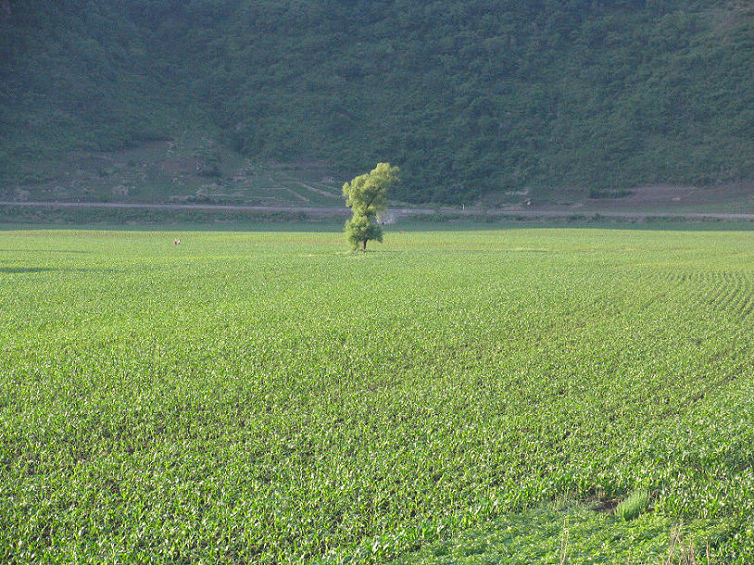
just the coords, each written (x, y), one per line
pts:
(176, 242)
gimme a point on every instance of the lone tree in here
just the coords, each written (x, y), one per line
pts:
(367, 197)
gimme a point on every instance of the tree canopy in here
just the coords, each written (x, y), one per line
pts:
(366, 195)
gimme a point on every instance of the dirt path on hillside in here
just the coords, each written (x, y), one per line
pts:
(321, 211)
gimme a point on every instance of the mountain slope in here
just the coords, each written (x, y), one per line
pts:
(467, 97)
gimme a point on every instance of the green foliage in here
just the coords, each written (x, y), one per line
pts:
(636, 503)
(558, 533)
(366, 195)
(469, 96)
(254, 397)
(362, 228)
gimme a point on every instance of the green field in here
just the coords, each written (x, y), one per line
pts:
(469, 396)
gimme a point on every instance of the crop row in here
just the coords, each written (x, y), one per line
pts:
(266, 398)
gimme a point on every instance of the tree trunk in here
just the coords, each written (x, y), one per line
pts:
(364, 245)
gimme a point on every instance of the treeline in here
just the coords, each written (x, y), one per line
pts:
(465, 97)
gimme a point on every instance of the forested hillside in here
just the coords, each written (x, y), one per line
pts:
(465, 96)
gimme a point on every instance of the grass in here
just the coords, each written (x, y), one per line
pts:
(559, 533)
(636, 503)
(189, 169)
(269, 397)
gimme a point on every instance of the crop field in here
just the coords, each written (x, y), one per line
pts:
(471, 396)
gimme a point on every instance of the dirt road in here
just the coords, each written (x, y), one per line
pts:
(321, 211)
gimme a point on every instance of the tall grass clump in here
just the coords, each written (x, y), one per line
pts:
(636, 503)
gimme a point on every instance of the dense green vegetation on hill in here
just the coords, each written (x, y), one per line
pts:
(465, 97)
